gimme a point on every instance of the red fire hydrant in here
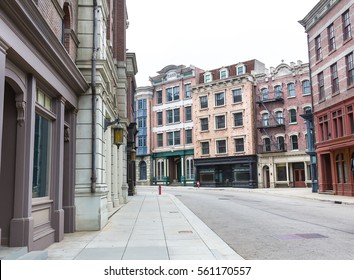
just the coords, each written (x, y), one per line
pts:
(160, 189)
(198, 184)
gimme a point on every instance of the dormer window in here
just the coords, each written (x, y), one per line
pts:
(240, 69)
(224, 73)
(207, 77)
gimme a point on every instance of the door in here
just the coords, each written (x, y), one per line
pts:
(299, 178)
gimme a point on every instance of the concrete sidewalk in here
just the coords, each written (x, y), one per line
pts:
(149, 227)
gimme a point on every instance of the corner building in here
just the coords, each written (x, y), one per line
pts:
(224, 126)
(329, 26)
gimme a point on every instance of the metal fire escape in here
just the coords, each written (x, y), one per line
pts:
(267, 125)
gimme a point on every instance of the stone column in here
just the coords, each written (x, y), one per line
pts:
(3, 49)
(69, 173)
(115, 193)
(21, 226)
(108, 173)
(58, 174)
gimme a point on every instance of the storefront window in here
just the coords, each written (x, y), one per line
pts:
(281, 173)
(41, 157)
(241, 172)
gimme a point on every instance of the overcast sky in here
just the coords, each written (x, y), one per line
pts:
(213, 33)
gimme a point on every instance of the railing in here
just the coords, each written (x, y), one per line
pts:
(271, 122)
(273, 96)
(272, 148)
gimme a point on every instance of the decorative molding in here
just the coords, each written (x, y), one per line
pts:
(20, 106)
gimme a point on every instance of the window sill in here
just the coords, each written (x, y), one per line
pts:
(219, 106)
(347, 40)
(332, 51)
(220, 129)
(292, 123)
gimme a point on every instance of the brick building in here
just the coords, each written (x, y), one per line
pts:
(224, 126)
(329, 26)
(281, 97)
(172, 143)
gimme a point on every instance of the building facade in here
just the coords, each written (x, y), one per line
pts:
(172, 143)
(329, 26)
(224, 126)
(104, 174)
(282, 96)
(67, 125)
(40, 88)
(143, 99)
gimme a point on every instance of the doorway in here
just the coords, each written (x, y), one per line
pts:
(299, 175)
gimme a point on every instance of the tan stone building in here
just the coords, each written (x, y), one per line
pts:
(224, 126)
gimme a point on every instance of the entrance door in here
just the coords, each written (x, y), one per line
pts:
(299, 176)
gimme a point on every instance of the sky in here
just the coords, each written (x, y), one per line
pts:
(210, 34)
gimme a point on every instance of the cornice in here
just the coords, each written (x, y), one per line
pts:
(28, 23)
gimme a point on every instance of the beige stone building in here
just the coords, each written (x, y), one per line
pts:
(224, 126)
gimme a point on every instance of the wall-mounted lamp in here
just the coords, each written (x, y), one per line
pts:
(118, 134)
(118, 131)
(133, 154)
(108, 123)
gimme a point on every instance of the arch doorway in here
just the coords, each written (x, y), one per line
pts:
(266, 177)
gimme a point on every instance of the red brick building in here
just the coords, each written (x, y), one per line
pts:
(329, 26)
(282, 96)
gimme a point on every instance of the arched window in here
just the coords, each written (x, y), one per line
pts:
(142, 170)
(265, 119)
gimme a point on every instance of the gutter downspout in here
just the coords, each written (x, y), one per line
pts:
(94, 104)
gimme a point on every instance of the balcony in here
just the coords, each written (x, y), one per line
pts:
(275, 96)
(271, 123)
(141, 151)
(272, 148)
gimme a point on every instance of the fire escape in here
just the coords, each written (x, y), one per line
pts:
(270, 124)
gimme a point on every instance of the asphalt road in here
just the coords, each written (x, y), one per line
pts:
(269, 227)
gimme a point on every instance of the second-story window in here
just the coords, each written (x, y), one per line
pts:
(173, 138)
(221, 146)
(292, 116)
(294, 142)
(239, 145)
(346, 25)
(279, 117)
(159, 140)
(205, 148)
(189, 139)
(220, 99)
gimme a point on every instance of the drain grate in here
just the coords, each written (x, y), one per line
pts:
(173, 212)
(185, 231)
(299, 236)
(223, 198)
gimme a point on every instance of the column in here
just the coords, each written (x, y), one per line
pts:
(3, 49)
(108, 173)
(115, 195)
(287, 174)
(69, 173)
(305, 167)
(21, 226)
(58, 174)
